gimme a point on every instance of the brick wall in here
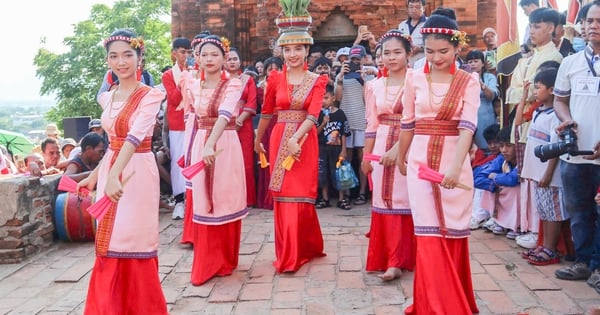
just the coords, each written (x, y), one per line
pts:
(249, 24)
(26, 205)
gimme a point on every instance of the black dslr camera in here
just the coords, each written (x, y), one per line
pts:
(568, 145)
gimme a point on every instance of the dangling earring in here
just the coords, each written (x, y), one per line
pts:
(385, 73)
(426, 69)
(453, 67)
(202, 76)
(305, 66)
(224, 75)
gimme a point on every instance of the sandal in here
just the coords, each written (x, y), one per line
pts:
(361, 200)
(323, 203)
(530, 252)
(343, 204)
(545, 257)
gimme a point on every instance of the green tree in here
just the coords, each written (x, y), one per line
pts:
(76, 75)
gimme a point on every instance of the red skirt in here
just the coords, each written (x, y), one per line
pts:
(125, 286)
(298, 237)
(442, 283)
(187, 235)
(246, 135)
(391, 242)
(216, 250)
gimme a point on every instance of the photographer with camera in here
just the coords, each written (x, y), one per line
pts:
(576, 93)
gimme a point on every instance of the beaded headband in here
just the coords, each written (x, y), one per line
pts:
(456, 35)
(395, 34)
(135, 43)
(196, 41)
(224, 43)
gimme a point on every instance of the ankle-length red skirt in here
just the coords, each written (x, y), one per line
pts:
(391, 242)
(216, 250)
(298, 237)
(125, 286)
(442, 283)
(187, 235)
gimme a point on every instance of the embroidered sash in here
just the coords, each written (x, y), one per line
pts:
(121, 126)
(393, 135)
(299, 95)
(436, 141)
(212, 112)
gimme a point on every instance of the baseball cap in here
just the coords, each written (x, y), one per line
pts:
(357, 51)
(344, 51)
(487, 30)
(94, 123)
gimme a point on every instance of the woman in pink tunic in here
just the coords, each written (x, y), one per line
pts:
(247, 109)
(219, 192)
(391, 241)
(440, 117)
(125, 275)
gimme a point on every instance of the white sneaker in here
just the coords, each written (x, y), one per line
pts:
(489, 224)
(528, 240)
(178, 211)
(476, 224)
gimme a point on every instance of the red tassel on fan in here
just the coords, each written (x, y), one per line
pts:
(68, 184)
(427, 173)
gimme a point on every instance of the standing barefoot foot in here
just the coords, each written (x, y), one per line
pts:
(391, 274)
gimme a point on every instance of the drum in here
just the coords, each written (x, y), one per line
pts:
(72, 221)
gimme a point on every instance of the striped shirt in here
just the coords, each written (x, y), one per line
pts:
(353, 104)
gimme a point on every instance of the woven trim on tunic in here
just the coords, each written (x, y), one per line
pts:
(435, 145)
(116, 143)
(121, 126)
(408, 126)
(222, 219)
(431, 127)
(370, 135)
(393, 135)
(291, 118)
(294, 199)
(464, 124)
(207, 123)
(391, 211)
(435, 230)
(131, 255)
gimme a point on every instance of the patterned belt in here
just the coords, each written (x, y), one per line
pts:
(436, 127)
(291, 116)
(390, 119)
(208, 123)
(116, 143)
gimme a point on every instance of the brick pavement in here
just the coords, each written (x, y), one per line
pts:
(55, 282)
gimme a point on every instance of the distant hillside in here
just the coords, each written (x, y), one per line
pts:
(28, 103)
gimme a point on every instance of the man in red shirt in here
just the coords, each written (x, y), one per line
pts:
(174, 123)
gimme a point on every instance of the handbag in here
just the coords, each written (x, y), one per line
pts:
(345, 178)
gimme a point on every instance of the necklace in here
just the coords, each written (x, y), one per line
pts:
(291, 88)
(395, 95)
(431, 93)
(117, 109)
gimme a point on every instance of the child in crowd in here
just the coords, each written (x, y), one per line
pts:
(499, 181)
(478, 159)
(333, 128)
(548, 196)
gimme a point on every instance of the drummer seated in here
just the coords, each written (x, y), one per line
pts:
(35, 166)
(92, 151)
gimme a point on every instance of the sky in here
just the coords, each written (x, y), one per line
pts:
(54, 20)
(23, 26)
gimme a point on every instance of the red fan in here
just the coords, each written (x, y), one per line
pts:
(68, 184)
(371, 157)
(427, 173)
(99, 208)
(181, 162)
(192, 170)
